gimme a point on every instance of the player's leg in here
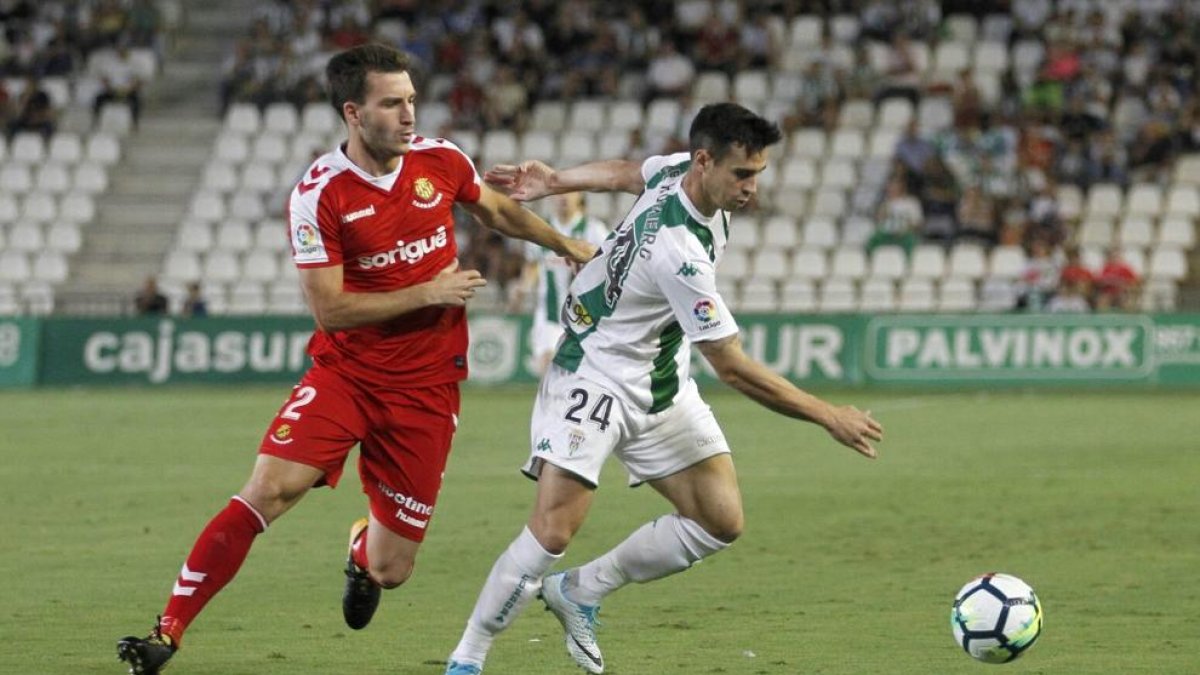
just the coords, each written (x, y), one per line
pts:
(300, 439)
(401, 465)
(566, 460)
(563, 500)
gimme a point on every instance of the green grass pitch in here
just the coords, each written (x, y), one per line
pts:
(847, 566)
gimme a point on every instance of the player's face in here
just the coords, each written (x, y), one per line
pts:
(387, 116)
(731, 183)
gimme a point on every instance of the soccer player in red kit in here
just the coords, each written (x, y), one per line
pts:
(372, 232)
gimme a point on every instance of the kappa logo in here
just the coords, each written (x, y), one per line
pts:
(425, 191)
(688, 270)
(544, 445)
(314, 178)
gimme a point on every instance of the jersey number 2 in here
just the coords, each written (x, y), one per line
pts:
(303, 396)
(599, 413)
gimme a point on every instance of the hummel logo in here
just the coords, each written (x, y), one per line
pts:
(361, 213)
(544, 445)
(315, 177)
(688, 270)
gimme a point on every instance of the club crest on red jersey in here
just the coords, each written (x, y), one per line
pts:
(427, 195)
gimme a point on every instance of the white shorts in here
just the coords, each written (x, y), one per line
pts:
(544, 335)
(577, 424)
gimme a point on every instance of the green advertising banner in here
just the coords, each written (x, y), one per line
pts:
(896, 349)
(162, 351)
(18, 351)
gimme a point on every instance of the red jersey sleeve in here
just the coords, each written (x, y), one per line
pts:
(469, 183)
(314, 229)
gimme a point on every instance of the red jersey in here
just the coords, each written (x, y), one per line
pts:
(387, 232)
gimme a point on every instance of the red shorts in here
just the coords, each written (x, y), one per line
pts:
(404, 437)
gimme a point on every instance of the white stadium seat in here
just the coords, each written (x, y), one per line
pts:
(967, 261)
(549, 116)
(780, 232)
(1135, 231)
(1006, 262)
(319, 118)
(798, 295)
(848, 262)
(771, 263)
(837, 295)
(820, 233)
(916, 295)
(1144, 199)
(877, 295)
(588, 115)
(103, 148)
(77, 207)
(1183, 200)
(1177, 231)
(758, 295)
(956, 295)
(27, 147)
(50, 266)
(14, 265)
(182, 266)
(888, 262)
(64, 237)
(928, 262)
(194, 235)
(1168, 263)
(281, 118)
(243, 118)
(65, 147)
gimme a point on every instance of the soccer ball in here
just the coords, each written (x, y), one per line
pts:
(996, 617)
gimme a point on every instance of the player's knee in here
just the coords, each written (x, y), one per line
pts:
(727, 527)
(553, 537)
(270, 496)
(391, 573)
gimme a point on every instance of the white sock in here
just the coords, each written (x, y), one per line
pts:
(514, 580)
(657, 549)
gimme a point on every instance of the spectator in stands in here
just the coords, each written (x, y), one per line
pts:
(939, 200)
(149, 300)
(1070, 298)
(466, 102)
(194, 304)
(145, 25)
(1039, 279)
(57, 58)
(1075, 272)
(817, 104)
(716, 46)
(898, 220)
(977, 217)
(759, 47)
(1107, 160)
(35, 112)
(505, 101)
(670, 73)
(120, 83)
(902, 77)
(1117, 283)
(914, 151)
(108, 22)
(967, 100)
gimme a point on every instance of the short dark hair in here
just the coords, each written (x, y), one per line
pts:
(347, 72)
(720, 126)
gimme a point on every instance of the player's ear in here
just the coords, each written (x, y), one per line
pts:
(350, 112)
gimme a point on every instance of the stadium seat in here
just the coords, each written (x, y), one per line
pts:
(195, 235)
(1183, 200)
(839, 174)
(711, 86)
(280, 118)
(625, 115)
(14, 265)
(38, 297)
(916, 295)
(849, 263)
(541, 145)
(219, 177)
(844, 28)
(758, 295)
(883, 142)
(467, 140)
(956, 295)
(889, 263)
(1135, 231)
(797, 173)
(877, 295)
(26, 236)
(64, 237)
(798, 295)
(857, 230)
(1135, 257)
(318, 117)
(780, 232)
(10, 305)
(1187, 170)
(221, 266)
(52, 178)
(243, 118)
(1177, 231)
(735, 264)
(1168, 262)
(770, 263)
(577, 147)
(856, 114)
(949, 58)
(830, 203)
(287, 267)
(1095, 231)
(231, 149)
(39, 207)
(1144, 199)
(967, 261)
(588, 115)
(77, 207)
(751, 88)
(270, 148)
(934, 114)
(245, 205)
(50, 266)
(207, 206)
(928, 262)
(65, 147)
(260, 265)
(271, 234)
(819, 233)
(10, 209)
(1027, 56)
(1104, 200)
(807, 143)
(234, 235)
(1160, 295)
(16, 178)
(1006, 262)
(116, 118)
(285, 297)
(27, 147)
(550, 116)
(837, 295)
(895, 113)
(247, 298)
(997, 295)
(806, 31)
(499, 147)
(1070, 201)
(991, 57)
(181, 266)
(662, 116)
(848, 143)
(258, 177)
(809, 263)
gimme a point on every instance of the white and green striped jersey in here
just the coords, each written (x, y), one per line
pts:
(634, 310)
(554, 272)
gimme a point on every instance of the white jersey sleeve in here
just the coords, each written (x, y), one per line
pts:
(689, 283)
(657, 163)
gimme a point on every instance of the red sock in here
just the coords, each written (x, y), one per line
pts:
(215, 558)
(358, 551)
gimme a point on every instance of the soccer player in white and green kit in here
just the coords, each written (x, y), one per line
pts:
(550, 275)
(620, 385)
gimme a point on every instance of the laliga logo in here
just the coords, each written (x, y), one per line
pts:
(410, 252)
(306, 235)
(705, 310)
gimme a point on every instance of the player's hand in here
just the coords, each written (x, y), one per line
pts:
(856, 429)
(453, 287)
(523, 182)
(579, 252)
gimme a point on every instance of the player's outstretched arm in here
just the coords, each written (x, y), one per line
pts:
(848, 425)
(532, 180)
(337, 309)
(500, 213)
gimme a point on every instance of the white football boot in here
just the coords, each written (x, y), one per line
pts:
(578, 622)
